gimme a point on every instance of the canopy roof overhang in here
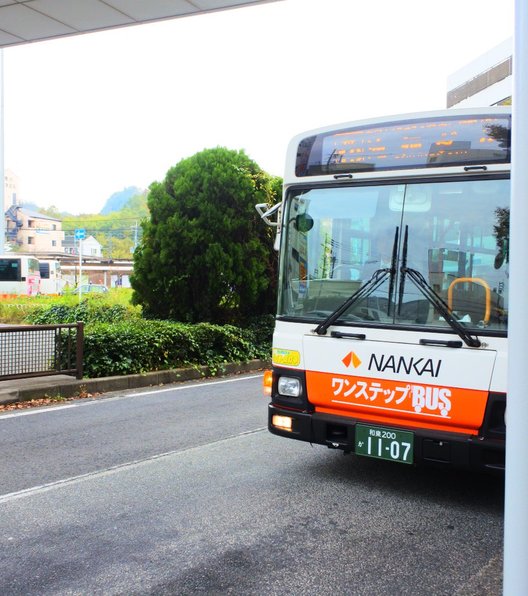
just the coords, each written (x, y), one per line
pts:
(24, 21)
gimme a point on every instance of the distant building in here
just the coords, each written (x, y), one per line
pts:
(486, 81)
(11, 189)
(69, 244)
(90, 246)
(33, 232)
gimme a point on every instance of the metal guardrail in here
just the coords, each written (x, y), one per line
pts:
(41, 350)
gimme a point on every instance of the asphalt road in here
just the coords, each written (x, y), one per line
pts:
(183, 491)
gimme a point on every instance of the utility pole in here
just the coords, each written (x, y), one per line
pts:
(2, 171)
(80, 270)
(80, 235)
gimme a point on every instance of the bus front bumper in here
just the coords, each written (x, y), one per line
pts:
(433, 448)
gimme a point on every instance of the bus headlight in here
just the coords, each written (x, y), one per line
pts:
(289, 386)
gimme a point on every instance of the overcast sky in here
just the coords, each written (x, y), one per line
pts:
(87, 116)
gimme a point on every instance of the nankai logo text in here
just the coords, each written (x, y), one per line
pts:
(408, 366)
(396, 364)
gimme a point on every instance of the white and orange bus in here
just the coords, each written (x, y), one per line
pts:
(391, 332)
(19, 275)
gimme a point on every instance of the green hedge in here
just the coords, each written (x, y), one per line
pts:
(118, 342)
(130, 347)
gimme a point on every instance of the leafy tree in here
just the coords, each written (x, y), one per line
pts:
(115, 247)
(205, 254)
(52, 211)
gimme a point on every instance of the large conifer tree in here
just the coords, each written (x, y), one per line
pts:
(205, 254)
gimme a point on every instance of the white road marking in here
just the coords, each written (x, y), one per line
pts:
(48, 409)
(203, 384)
(42, 488)
(39, 411)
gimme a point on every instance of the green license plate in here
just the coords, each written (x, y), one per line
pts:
(385, 443)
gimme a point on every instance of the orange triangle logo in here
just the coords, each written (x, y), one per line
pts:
(351, 358)
(347, 359)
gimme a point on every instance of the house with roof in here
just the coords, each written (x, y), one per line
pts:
(33, 232)
(90, 246)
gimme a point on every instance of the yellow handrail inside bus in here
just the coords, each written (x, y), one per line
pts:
(473, 280)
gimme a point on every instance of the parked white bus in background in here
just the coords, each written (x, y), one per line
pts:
(19, 275)
(391, 332)
(51, 281)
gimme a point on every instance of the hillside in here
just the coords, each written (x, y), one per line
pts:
(119, 199)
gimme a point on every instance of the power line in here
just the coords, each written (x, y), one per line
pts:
(131, 229)
(76, 221)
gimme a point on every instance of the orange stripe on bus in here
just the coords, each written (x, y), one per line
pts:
(400, 402)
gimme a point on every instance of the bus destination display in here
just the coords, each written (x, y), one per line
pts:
(425, 143)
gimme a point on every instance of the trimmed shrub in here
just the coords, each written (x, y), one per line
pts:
(130, 347)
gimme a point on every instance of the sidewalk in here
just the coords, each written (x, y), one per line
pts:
(18, 390)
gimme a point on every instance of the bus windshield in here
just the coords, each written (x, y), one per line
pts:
(10, 269)
(450, 234)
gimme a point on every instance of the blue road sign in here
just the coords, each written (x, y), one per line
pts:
(80, 234)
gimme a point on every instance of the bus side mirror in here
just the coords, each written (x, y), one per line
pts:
(303, 222)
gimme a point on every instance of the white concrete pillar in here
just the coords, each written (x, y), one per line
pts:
(516, 491)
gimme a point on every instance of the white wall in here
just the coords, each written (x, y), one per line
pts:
(492, 94)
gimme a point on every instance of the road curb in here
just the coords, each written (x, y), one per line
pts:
(54, 388)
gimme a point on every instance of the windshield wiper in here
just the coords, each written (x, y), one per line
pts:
(419, 281)
(378, 277)
(403, 269)
(394, 258)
